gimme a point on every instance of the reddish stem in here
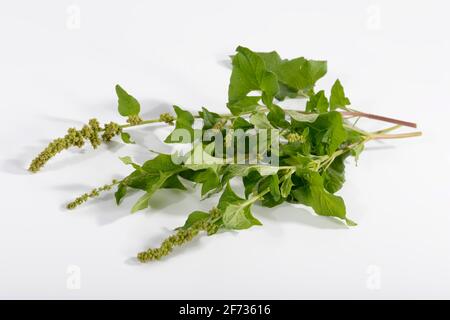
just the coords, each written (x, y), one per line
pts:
(381, 118)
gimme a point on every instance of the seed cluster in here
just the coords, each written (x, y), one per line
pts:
(92, 194)
(182, 236)
(295, 137)
(167, 118)
(76, 138)
(111, 130)
(134, 120)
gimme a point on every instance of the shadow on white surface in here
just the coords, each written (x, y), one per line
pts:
(152, 108)
(287, 213)
(226, 63)
(155, 242)
(16, 166)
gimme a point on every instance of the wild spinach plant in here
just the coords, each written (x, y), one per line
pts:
(310, 151)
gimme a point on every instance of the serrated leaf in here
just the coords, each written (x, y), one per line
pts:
(128, 105)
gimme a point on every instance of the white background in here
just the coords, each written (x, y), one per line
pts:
(391, 56)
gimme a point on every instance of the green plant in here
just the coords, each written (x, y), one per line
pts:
(310, 153)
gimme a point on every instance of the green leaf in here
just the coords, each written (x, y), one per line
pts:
(295, 76)
(142, 202)
(120, 193)
(198, 159)
(244, 105)
(277, 116)
(356, 151)
(209, 118)
(240, 170)
(260, 121)
(274, 187)
(334, 176)
(126, 137)
(128, 105)
(241, 123)
(238, 217)
(323, 202)
(302, 117)
(250, 73)
(317, 103)
(326, 133)
(161, 163)
(236, 211)
(173, 182)
(301, 74)
(195, 217)
(312, 193)
(207, 177)
(127, 160)
(286, 186)
(185, 120)
(250, 181)
(154, 175)
(337, 97)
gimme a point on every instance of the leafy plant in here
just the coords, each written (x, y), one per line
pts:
(314, 144)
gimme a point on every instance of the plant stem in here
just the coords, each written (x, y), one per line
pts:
(143, 122)
(397, 136)
(357, 113)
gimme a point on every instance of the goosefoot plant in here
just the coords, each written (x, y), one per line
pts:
(310, 152)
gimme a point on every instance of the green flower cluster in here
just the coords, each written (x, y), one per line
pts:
(92, 194)
(76, 138)
(183, 236)
(295, 137)
(111, 130)
(167, 118)
(134, 119)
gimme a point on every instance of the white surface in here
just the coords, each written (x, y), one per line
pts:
(393, 59)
